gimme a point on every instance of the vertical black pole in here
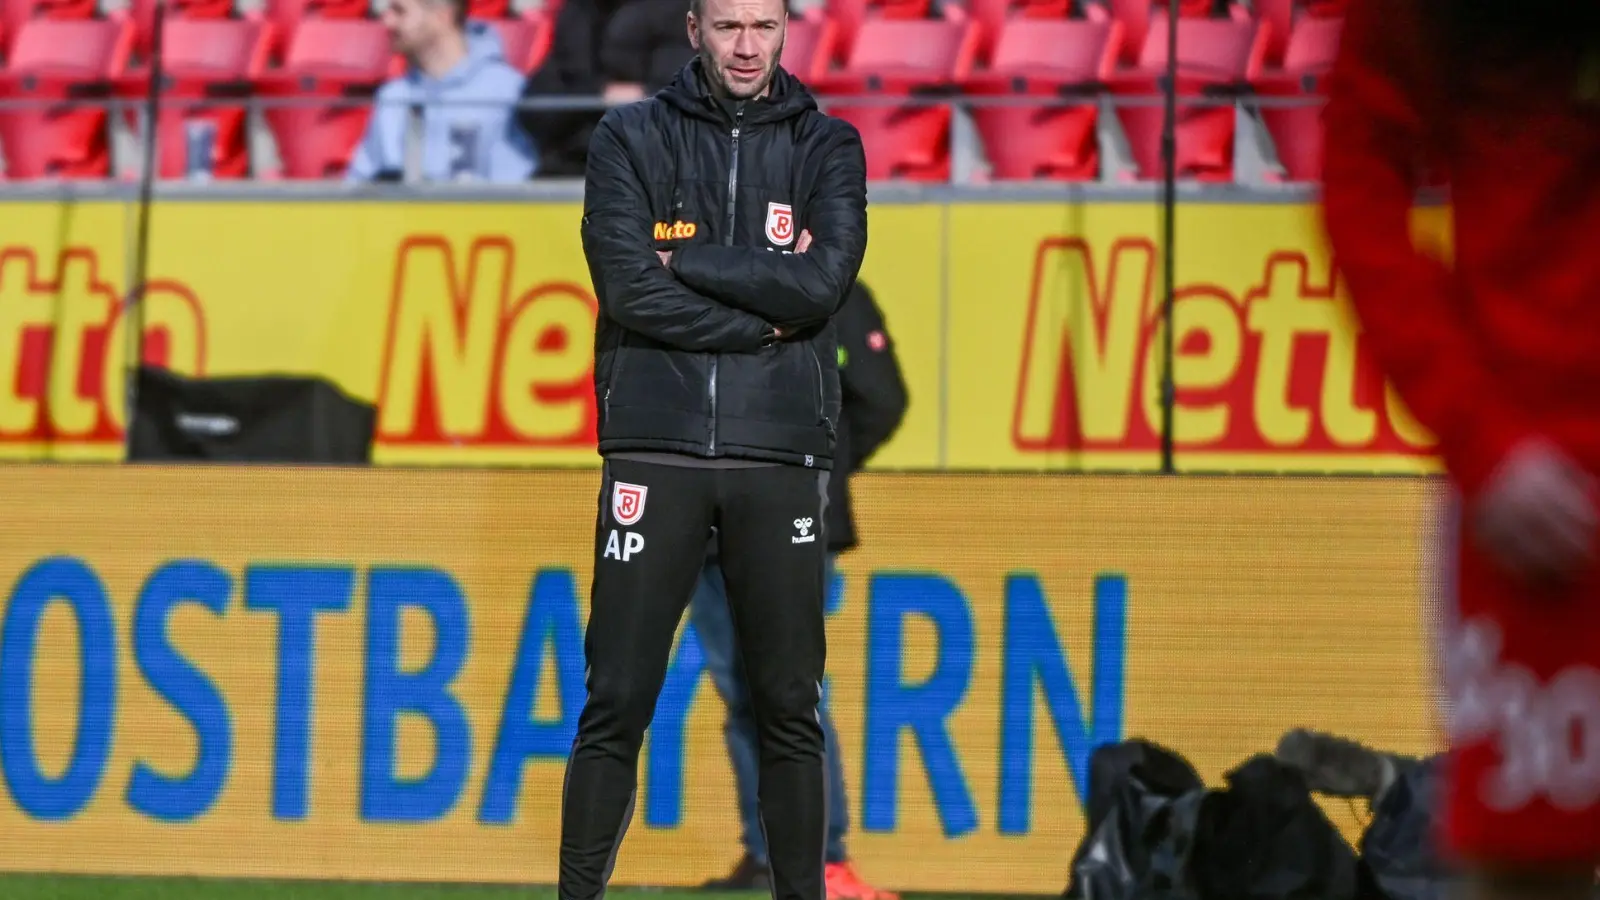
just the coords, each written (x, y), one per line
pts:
(1169, 228)
(141, 246)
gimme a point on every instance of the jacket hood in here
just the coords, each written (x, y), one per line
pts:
(688, 92)
(483, 48)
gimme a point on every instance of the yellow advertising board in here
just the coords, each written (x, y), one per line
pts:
(1029, 333)
(376, 674)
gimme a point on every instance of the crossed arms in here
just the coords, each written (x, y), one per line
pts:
(719, 298)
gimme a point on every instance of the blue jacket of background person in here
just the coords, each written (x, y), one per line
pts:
(469, 127)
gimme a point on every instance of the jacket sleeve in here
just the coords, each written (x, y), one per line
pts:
(367, 161)
(634, 289)
(1407, 302)
(513, 157)
(873, 387)
(795, 289)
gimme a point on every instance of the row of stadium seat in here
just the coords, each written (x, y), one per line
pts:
(286, 15)
(1017, 101)
(1031, 61)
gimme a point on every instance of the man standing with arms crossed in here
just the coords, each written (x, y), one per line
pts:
(719, 399)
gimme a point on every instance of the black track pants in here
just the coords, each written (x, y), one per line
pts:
(650, 544)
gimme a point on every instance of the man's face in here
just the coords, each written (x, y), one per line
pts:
(739, 42)
(414, 25)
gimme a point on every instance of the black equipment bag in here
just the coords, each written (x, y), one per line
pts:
(273, 419)
(1265, 838)
(1144, 801)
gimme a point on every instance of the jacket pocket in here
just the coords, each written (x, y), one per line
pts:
(614, 376)
(821, 383)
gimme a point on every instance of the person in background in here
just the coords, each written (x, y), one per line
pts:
(643, 49)
(618, 51)
(449, 117)
(873, 394)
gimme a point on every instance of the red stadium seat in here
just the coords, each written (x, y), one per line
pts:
(992, 15)
(215, 49)
(339, 62)
(1216, 51)
(808, 47)
(903, 142)
(1280, 16)
(209, 64)
(849, 14)
(1216, 57)
(286, 15)
(15, 13)
(1296, 128)
(143, 13)
(64, 61)
(1312, 46)
(1136, 17)
(526, 41)
(355, 49)
(489, 9)
(898, 58)
(1044, 59)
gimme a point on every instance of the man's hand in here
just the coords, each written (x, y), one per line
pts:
(619, 92)
(1537, 517)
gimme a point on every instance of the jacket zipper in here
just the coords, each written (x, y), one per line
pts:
(822, 404)
(727, 238)
(616, 373)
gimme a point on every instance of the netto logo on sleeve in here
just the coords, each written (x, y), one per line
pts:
(677, 231)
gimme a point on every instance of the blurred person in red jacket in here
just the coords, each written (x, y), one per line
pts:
(1498, 353)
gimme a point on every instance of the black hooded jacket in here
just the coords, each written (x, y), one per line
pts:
(685, 359)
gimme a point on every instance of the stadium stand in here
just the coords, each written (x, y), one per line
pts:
(1217, 59)
(209, 65)
(526, 40)
(808, 47)
(903, 60)
(143, 13)
(850, 14)
(993, 15)
(335, 60)
(1296, 127)
(287, 15)
(54, 62)
(16, 13)
(1047, 60)
(1015, 89)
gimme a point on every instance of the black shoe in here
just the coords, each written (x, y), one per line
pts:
(1336, 766)
(748, 875)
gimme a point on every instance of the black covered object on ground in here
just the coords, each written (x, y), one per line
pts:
(1156, 833)
(1265, 838)
(247, 420)
(1143, 803)
(1398, 850)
